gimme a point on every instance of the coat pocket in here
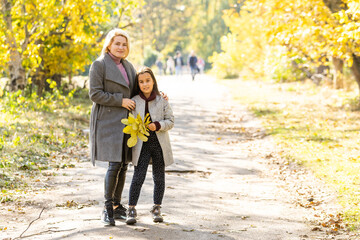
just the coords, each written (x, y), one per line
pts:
(100, 112)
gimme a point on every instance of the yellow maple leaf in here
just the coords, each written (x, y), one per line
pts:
(137, 128)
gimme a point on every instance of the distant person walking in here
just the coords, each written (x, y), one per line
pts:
(192, 62)
(160, 66)
(178, 63)
(157, 147)
(201, 65)
(170, 65)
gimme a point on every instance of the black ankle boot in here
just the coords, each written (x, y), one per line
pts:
(119, 211)
(107, 216)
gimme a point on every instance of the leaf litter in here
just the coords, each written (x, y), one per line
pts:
(307, 191)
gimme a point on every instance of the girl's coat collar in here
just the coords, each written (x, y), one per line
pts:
(151, 97)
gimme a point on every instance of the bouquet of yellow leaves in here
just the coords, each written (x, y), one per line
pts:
(137, 128)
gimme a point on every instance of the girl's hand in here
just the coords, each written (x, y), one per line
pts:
(164, 96)
(152, 127)
(128, 104)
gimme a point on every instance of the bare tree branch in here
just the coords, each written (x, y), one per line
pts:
(32, 223)
(127, 25)
(27, 34)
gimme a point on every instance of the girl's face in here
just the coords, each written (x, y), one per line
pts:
(119, 47)
(146, 84)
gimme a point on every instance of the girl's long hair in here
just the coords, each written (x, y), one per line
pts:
(147, 70)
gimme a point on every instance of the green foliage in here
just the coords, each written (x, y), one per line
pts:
(169, 25)
(35, 133)
(163, 24)
(285, 69)
(16, 102)
(207, 26)
(150, 56)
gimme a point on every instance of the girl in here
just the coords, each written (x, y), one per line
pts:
(157, 147)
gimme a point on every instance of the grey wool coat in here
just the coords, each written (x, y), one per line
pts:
(160, 111)
(107, 89)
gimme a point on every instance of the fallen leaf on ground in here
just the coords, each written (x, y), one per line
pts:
(316, 229)
(140, 229)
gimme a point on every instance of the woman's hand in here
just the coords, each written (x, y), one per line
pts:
(164, 95)
(152, 127)
(128, 104)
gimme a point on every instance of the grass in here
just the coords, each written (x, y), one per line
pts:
(315, 126)
(35, 135)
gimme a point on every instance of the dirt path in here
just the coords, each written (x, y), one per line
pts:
(218, 189)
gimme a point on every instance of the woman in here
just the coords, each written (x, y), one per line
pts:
(112, 84)
(178, 63)
(170, 65)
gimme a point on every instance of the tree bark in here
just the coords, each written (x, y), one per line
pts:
(335, 5)
(70, 78)
(355, 69)
(40, 75)
(338, 73)
(16, 70)
(40, 79)
(57, 78)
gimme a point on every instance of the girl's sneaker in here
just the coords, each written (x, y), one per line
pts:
(131, 216)
(156, 214)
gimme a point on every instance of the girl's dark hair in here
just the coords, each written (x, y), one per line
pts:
(147, 70)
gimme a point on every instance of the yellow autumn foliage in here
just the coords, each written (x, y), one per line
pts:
(305, 31)
(137, 128)
(62, 37)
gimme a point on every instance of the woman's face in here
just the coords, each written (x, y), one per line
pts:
(146, 84)
(119, 47)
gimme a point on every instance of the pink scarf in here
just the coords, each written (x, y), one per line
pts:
(120, 67)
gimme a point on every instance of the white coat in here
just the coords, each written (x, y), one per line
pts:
(160, 111)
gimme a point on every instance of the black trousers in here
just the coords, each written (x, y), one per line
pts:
(150, 150)
(115, 180)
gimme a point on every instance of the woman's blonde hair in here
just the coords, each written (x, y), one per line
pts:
(110, 38)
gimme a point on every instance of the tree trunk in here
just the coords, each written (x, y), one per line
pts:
(355, 69)
(335, 5)
(16, 70)
(70, 78)
(338, 73)
(40, 75)
(57, 78)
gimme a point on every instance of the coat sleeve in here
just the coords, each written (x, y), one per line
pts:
(168, 122)
(97, 91)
